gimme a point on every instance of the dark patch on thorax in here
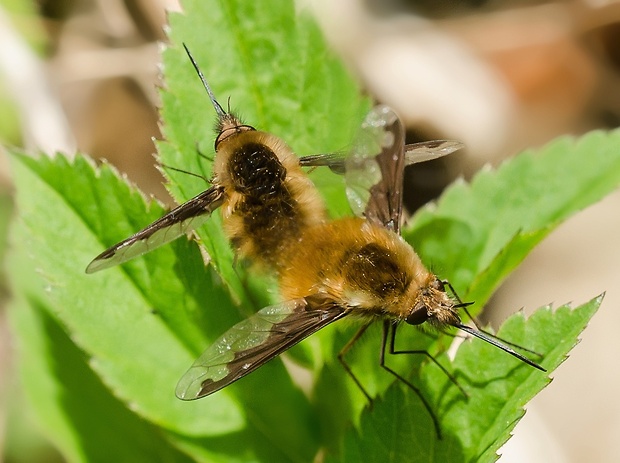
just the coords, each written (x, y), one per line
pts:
(256, 171)
(372, 268)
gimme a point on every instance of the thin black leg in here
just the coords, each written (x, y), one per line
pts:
(346, 366)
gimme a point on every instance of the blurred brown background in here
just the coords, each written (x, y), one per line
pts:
(499, 75)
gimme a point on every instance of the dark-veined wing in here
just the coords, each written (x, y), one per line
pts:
(385, 201)
(181, 220)
(254, 341)
(429, 150)
(374, 167)
(380, 193)
(367, 175)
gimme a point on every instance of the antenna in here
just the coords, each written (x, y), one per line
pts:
(497, 344)
(218, 109)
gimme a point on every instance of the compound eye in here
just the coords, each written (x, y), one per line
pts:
(438, 285)
(418, 315)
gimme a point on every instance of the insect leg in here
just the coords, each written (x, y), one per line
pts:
(346, 366)
(202, 176)
(393, 351)
(203, 155)
(389, 328)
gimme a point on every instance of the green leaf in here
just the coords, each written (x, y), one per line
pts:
(498, 218)
(124, 319)
(82, 415)
(399, 429)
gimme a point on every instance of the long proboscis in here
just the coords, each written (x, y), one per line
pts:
(218, 108)
(498, 344)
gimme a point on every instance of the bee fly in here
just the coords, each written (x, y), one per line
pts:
(258, 183)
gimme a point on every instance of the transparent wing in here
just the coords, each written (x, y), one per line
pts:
(253, 342)
(181, 220)
(414, 153)
(380, 136)
(429, 150)
(335, 161)
(374, 172)
(373, 168)
(385, 200)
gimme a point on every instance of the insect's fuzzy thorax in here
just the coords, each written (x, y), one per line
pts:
(370, 269)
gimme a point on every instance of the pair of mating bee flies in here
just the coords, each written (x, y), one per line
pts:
(327, 270)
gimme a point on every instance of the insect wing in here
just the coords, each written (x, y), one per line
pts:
(380, 136)
(430, 150)
(374, 171)
(253, 342)
(374, 166)
(181, 220)
(335, 161)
